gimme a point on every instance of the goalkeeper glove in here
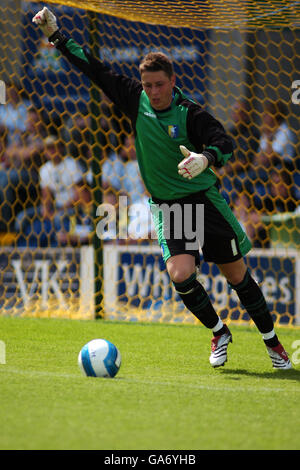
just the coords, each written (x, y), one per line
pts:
(47, 21)
(193, 164)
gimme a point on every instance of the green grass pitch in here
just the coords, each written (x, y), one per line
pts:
(165, 396)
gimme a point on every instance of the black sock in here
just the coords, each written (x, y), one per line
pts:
(220, 332)
(254, 302)
(272, 342)
(197, 301)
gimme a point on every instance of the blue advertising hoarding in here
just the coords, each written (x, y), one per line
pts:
(140, 281)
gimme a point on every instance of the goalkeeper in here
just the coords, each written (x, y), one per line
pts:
(177, 144)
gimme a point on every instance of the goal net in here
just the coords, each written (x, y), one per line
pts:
(239, 59)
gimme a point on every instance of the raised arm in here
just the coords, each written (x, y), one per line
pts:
(123, 91)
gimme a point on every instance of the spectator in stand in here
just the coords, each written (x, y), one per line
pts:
(120, 172)
(281, 193)
(245, 138)
(57, 179)
(28, 150)
(276, 149)
(78, 225)
(277, 142)
(279, 197)
(14, 114)
(19, 176)
(77, 136)
(250, 218)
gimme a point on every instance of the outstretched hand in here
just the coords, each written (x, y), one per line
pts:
(193, 164)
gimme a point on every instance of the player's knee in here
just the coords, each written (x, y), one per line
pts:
(180, 275)
(234, 272)
(181, 267)
(235, 280)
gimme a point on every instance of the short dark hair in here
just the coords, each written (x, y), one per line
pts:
(156, 61)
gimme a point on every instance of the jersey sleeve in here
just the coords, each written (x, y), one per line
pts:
(123, 91)
(208, 136)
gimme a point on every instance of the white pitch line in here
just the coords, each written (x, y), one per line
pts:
(176, 383)
(39, 373)
(221, 388)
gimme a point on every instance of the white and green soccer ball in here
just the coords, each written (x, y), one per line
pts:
(99, 358)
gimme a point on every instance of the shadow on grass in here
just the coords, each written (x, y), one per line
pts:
(290, 374)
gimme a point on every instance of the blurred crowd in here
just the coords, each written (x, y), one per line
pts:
(262, 179)
(47, 182)
(46, 176)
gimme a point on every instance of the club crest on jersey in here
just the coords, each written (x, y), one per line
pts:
(173, 131)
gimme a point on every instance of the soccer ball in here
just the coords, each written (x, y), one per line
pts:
(99, 358)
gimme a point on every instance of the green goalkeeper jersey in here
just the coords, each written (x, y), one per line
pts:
(158, 134)
(158, 137)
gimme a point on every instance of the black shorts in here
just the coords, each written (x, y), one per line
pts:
(203, 221)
